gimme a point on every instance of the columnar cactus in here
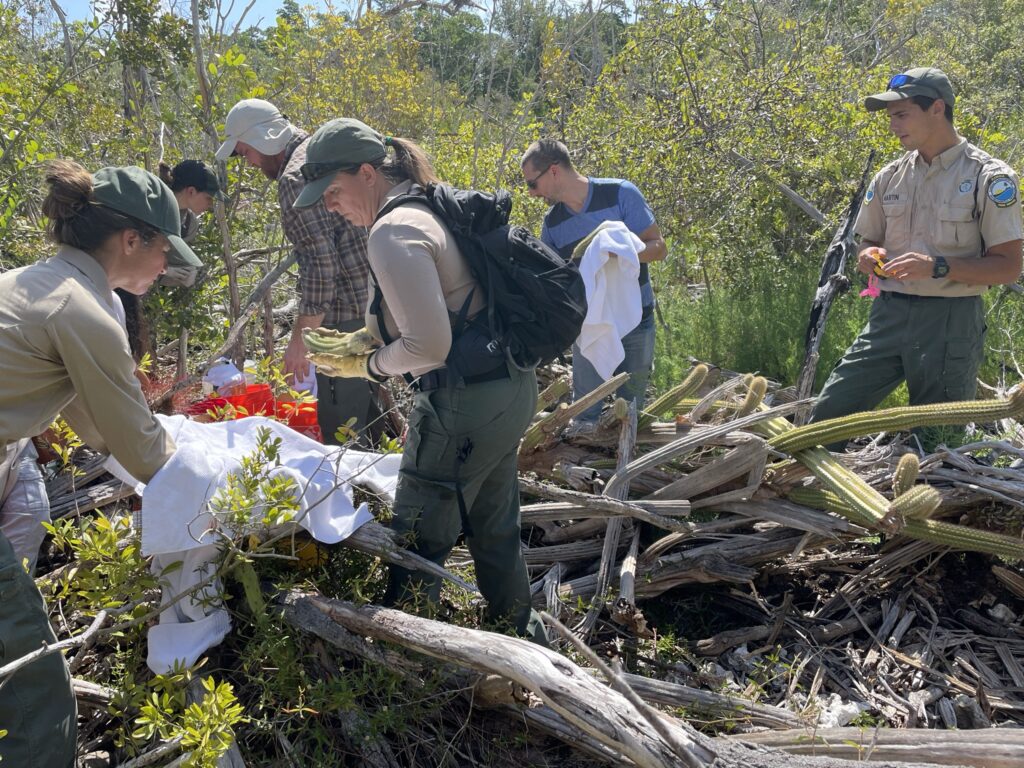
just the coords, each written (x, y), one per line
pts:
(958, 537)
(757, 389)
(892, 419)
(905, 476)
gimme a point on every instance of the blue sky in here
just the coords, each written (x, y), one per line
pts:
(262, 12)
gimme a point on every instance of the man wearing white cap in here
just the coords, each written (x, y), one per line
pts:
(333, 270)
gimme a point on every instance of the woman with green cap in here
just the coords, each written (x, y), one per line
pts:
(63, 351)
(458, 471)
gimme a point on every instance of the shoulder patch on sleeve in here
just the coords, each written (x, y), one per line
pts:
(1002, 190)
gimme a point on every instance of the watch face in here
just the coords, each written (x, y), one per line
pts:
(941, 268)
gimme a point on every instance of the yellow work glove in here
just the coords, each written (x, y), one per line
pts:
(337, 343)
(345, 366)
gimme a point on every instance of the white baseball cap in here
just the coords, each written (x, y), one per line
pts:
(259, 124)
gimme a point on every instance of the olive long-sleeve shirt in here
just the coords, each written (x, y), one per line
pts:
(62, 351)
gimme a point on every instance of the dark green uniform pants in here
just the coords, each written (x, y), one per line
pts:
(936, 344)
(468, 435)
(37, 705)
(338, 400)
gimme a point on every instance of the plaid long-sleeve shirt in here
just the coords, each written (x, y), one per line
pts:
(333, 269)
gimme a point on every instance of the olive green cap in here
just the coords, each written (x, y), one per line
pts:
(141, 195)
(340, 143)
(920, 81)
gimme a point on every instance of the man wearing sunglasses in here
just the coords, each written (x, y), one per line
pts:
(333, 270)
(943, 224)
(579, 204)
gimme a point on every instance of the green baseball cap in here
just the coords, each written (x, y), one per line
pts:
(920, 81)
(340, 143)
(141, 195)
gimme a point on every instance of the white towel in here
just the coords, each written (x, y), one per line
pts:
(177, 526)
(610, 269)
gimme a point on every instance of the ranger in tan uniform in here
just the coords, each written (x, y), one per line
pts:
(944, 220)
(62, 350)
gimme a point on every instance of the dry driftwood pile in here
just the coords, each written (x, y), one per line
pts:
(717, 570)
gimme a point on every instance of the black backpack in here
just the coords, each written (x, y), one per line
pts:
(536, 301)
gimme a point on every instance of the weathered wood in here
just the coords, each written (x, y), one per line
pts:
(620, 491)
(831, 283)
(548, 427)
(570, 691)
(988, 748)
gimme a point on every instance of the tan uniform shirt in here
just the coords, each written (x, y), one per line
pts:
(63, 351)
(423, 277)
(962, 203)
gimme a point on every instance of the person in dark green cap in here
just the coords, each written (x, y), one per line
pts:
(64, 352)
(459, 467)
(942, 223)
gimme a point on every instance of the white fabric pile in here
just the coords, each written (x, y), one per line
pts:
(178, 527)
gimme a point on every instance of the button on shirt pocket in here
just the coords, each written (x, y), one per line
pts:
(958, 233)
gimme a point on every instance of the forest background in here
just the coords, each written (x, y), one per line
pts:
(711, 108)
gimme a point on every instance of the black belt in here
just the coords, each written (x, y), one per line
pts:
(646, 311)
(428, 382)
(916, 297)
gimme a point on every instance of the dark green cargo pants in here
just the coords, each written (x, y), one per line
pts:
(338, 400)
(37, 705)
(468, 435)
(935, 344)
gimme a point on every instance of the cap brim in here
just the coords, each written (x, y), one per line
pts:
(181, 255)
(220, 196)
(313, 191)
(226, 149)
(879, 100)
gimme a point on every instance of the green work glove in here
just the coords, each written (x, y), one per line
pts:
(345, 366)
(337, 343)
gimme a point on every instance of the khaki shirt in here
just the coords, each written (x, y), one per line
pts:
(959, 205)
(63, 351)
(424, 280)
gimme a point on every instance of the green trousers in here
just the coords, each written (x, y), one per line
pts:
(339, 400)
(37, 704)
(935, 344)
(468, 437)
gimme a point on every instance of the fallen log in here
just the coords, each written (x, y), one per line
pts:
(572, 693)
(988, 748)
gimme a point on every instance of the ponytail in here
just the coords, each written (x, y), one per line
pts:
(410, 162)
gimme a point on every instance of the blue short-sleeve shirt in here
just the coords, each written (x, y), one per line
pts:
(607, 200)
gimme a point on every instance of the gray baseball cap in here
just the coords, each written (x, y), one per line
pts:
(259, 124)
(141, 195)
(920, 81)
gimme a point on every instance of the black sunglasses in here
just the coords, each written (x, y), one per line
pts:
(532, 183)
(899, 81)
(314, 171)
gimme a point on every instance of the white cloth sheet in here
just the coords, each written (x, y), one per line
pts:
(610, 269)
(177, 525)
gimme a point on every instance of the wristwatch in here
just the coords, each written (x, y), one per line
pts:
(940, 268)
